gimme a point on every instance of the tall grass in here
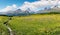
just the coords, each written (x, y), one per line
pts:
(36, 24)
(3, 29)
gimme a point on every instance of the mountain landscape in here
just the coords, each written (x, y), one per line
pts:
(19, 12)
(29, 17)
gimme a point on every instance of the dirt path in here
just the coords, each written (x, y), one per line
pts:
(9, 29)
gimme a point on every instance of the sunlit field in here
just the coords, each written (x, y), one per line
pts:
(3, 29)
(36, 25)
(32, 25)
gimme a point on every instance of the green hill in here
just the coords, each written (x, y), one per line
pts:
(48, 24)
(36, 25)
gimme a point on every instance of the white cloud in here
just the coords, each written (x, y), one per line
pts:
(38, 4)
(34, 6)
(14, 6)
(8, 8)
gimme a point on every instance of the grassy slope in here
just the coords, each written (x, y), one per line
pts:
(36, 25)
(3, 29)
(32, 25)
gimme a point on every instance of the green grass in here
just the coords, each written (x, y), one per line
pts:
(48, 24)
(3, 29)
(36, 25)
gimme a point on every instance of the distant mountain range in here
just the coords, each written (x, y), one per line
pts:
(19, 12)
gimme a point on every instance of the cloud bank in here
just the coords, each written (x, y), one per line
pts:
(9, 8)
(40, 5)
(33, 6)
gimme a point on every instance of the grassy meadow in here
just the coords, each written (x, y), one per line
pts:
(3, 29)
(48, 24)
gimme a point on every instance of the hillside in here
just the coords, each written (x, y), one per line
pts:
(48, 24)
(36, 25)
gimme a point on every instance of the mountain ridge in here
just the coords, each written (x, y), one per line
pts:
(19, 12)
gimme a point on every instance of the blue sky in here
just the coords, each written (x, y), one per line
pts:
(4, 3)
(33, 5)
